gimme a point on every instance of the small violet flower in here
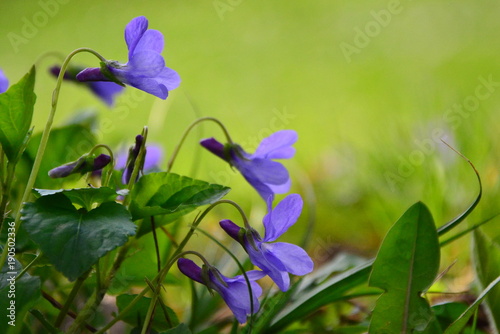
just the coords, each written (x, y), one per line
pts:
(234, 290)
(84, 164)
(268, 177)
(145, 68)
(106, 91)
(4, 82)
(279, 258)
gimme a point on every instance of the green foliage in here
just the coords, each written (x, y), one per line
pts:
(74, 239)
(84, 197)
(65, 144)
(163, 318)
(406, 265)
(486, 254)
(459, 324)
(329, 291)
(16, 112)
(171, 195)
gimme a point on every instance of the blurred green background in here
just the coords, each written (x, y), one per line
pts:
(370, 86)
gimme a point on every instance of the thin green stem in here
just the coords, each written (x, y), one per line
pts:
(25, 269)
(72, 295)
(240, 266)
(157, 247)
(200, 218)
(44, 139)
(188, 130)
(105, 180)
(158, 278)
(179, 250)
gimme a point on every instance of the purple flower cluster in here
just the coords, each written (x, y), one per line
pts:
(275, 259)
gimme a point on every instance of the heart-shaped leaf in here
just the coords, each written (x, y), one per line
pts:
(171, 195)
(16, 112)
(85, 197)
(406, 265)
(72, 239)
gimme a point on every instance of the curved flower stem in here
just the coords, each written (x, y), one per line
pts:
(158, 278)
(179, 251)
(200, 218)
(106, 179)
(45, 138)
(240, 266)
(188, 130)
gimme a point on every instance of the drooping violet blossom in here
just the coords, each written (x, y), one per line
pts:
(106, 91)
(4, 82)
(145, 68)
(276, 259)
(84, 164)
(268, 177)
(234, 291)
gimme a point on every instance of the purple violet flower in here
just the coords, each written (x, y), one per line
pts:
(106, 91)
(145, 68)
(4, 82)
(234, 290)
(268, 177)
(84, 164)
(276, 259)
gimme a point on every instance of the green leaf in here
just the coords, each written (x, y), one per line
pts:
(65, 144)
(486, 255)
(137, 314)
(406, 265)
(16, 112)
(18, 295)
(181, 329)
(84, 197)
(171, 195)
(446, 313)
(332, 290)
(72, 239)
(459, 324)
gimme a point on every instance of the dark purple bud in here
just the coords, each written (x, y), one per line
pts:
(132, 157)
(215, 147)
(63, 171)
(91, 74)
(190, 269)
(231, 229)
(101, 161)
(84, 164)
